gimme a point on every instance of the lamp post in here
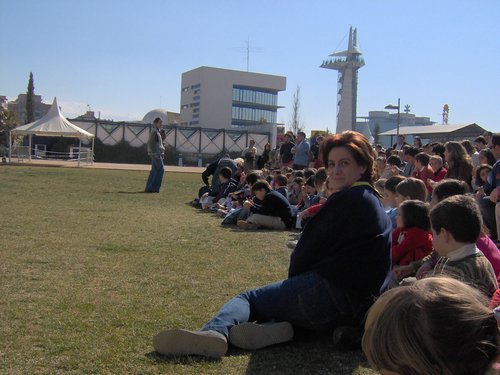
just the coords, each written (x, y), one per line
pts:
(398, 107)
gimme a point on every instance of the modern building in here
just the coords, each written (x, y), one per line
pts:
(18, 106)
(347, 63)
(379, 122)
(229, 99)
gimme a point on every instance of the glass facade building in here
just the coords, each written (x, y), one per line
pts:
(253, 106)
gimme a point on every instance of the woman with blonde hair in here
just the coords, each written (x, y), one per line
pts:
(459, 162)
(437, 325)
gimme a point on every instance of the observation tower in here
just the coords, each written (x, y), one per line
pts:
(347, 63)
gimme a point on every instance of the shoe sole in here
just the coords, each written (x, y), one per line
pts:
(184, 342)
(252, 336)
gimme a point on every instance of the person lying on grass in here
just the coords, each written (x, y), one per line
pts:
(341, 262)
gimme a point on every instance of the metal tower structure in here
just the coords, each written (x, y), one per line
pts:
(347, 63)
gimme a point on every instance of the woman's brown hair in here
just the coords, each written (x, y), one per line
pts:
(359, 147)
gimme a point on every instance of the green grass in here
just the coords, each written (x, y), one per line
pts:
(91, 269)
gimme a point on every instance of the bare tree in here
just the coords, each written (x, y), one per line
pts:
(295, 121)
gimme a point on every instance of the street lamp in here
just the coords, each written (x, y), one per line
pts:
(398, 107)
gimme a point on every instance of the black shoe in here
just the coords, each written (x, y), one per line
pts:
(347, 338)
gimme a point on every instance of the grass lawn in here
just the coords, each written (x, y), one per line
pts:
(91, 269)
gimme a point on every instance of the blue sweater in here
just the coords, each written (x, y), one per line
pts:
(348, 242)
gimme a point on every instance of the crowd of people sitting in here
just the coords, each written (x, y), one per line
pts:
(394, 224)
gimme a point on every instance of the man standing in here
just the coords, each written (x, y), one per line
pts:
(286, 155)
(400, 143)
(156, 149)
(301, 152)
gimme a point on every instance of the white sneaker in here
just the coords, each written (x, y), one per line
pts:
(183, 342)
(253, 336)
(292, 244)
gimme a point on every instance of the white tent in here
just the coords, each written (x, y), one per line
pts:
(53, 124)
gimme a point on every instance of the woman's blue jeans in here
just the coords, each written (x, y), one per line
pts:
(306, 301)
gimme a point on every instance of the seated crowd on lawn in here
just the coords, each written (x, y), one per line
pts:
(440, 203)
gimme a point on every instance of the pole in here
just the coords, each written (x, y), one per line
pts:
(10, 146)
(399, 106)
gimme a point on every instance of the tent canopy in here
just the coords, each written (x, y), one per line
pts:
(53, 124)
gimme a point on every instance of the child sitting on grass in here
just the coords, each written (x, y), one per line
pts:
(456, 225)
(435, 326)
(280, 183)
(389, 200)
(412, 239)
(274, 211)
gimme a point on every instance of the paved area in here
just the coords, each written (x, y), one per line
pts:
(119, 166)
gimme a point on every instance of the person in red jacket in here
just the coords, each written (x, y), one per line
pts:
(412, 239)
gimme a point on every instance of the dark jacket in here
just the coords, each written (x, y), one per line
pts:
(348, 242)
(275, 204)
(214, 169)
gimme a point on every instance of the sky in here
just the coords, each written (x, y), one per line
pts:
(124, 58)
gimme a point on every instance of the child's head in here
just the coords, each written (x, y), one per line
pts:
(390, 190)
(380, 185)
(321, 176)
(280, 181)
(394, 160)
(413, 213)
(410, 153)
(411, 188)
(482, 173)
(260, 189)
(308, 172)
(310, 185)
(252, 178)
(225, 174)
(455, 221)
(437, 325)
(381, 163)
(448, 188)
(436, 162)
(421, 160)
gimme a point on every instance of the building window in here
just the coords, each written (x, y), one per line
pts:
(196, 116)
(184, 106)
(195, 86)
(194, 122)
(197, 104)
(196, 110)
(197, 91)
(255, 96)
(197, 97)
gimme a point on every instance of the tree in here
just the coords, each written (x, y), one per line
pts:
(30, 106)
(295, 123)
(7, 122)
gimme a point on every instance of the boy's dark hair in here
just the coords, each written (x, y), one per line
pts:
(450, 187)
(261, 185)
(394, 160)
(298, 174)
(460, 216)
(423, 158)
(415, 213)
(438, 149)
(308, 172)
(480, 139)
(495, 140)
(392, 182)
(269, 179)
(412, 151)
(321, 175)
(252, 178)
(298, 180)
(226, 172)
(157, 120)
(280, 180)
(412, 188)
(311, 181)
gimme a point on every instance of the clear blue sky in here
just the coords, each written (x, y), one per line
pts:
(124, 58)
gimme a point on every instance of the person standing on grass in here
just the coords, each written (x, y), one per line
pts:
(300, 152)
(341, 262)
(156, 149)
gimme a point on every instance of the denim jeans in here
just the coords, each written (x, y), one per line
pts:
(306, 301)
(155, 175)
